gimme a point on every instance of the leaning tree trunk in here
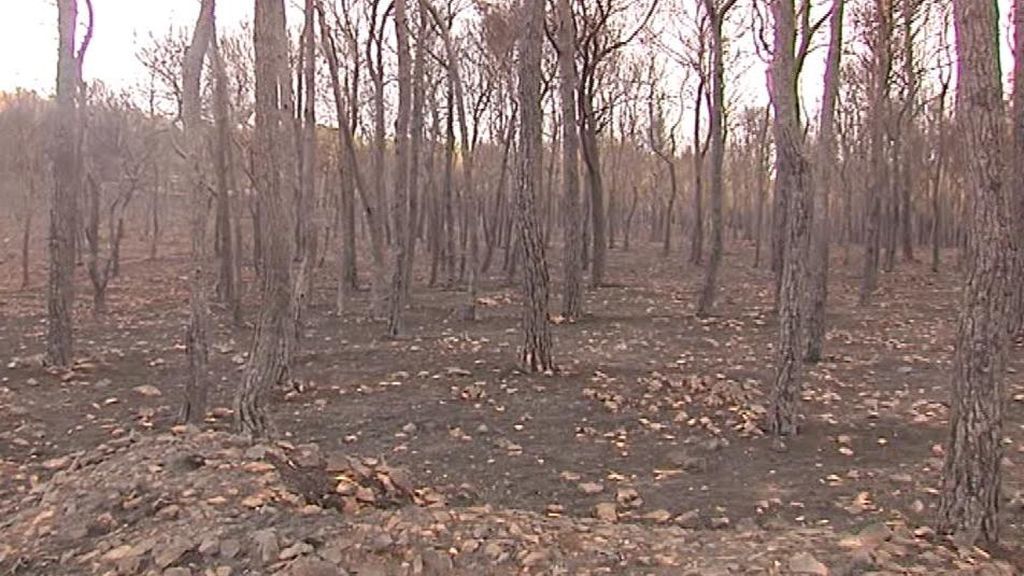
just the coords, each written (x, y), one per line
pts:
(196, 340)
(969, 501)
(536, 352)
(572, 257)
(792, 172)
(351, 178)
(817, 292)
(274, 173)
(67, 166)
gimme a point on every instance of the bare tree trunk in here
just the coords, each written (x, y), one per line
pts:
(99, 272)
(67, 180)
(762, 186)
(378, 201)
(499, 198)
(909, 132)
(305, 231)
(1016, 172)
(572, 258)
(416, 146)
(697, 234)
(536, 352)
(470, 196)
(449, 191)
(197, 339)
(940, 159)
(629, 219)
(274, 174)
(154, 214)
(227, 284)
(971, 484)
(716, 112)
(400, 199)
(26, 232)
(824, 165)
(351, 178)
(595, 180)
(793, 174)
(879, 171)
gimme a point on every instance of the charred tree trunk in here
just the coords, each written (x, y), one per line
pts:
(879, 169)
(824, 164)
(197, 339)
(792, 172)
(274, 171)
(971, 484)
(716, 113)
(400, 199)
(227, 284)
(67, 179)
(572, 262)
(697, 234)
(536, 351)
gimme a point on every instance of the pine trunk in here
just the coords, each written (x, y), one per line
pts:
(970, 497)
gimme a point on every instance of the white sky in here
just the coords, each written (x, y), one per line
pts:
(28, 37)
(28, 41)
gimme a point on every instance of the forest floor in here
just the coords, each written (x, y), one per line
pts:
(643, 454)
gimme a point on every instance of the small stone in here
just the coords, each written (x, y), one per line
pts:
(605, 511)
(307, 566)
(689, 520)
(534, 558)
(659, 516)
(720, 522)
(308, 456)
(436, 563)
(629, 498)
(804, 563)
(267, 547)
(591, 488)
(230, 547)
(209, 546)
(147, 390)
(295, 550)
(747, 524)
(178, 571)
(410, 428)
(168, 554)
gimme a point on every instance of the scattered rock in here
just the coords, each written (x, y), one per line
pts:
(606, 511)
(805, 563)
(229, 548)
(720, 522)
(169, 553)
(591, 488)
(295, 550)
(148, 390)
(629, 498)
(267, 548)
(689, 520)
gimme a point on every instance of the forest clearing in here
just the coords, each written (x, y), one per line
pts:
(404, 287)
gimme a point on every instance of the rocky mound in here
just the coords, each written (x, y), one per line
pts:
(207, 503)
